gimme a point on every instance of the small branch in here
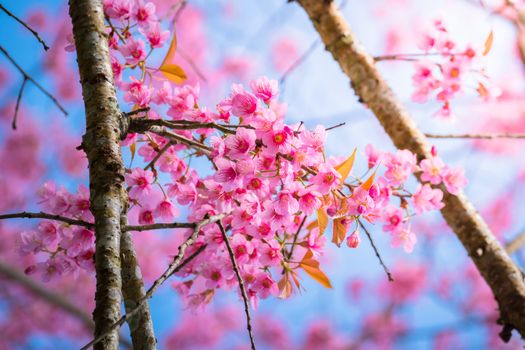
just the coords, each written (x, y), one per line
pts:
(137, 111)
(28, 77)
(335, 126)
(34, 32)
(18, 99)
(172, 268)
(192, 64)
(50, 297)
(376, 251)
(158, 155)
(299, 61)
(290, 253)
(241, 283)
(516, 243)
(42, 215)
(159, 226)
(478, 136)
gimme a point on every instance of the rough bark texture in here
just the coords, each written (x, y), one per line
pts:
(496, 267)
(141, 324)
(106, 170)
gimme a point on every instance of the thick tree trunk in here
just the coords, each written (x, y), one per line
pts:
(141, 324)
(106, 170)
(496, 267)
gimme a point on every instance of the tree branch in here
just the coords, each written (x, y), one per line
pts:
(101, 142)
(141, 325)
(42, 215)
(172, 268)
(516, 243)
(37, 84)
(34, 32)
(376, 251)
(241, 284)
(158, 226)
(478, 136)
(50, 297)
(496, 267)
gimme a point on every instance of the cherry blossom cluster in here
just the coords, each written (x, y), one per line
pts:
(448, 69)
(60, 248)
(273, 181)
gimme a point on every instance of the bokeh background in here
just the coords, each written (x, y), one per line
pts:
(236, 41)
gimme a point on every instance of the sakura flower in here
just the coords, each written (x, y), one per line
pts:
(373, 156)
(240, 144)
(120, 9)
(144, 13)
(286, 204)
(454, 180)
(406, 238)
(271, 254)
(327, 179)
(133, 50)
(156, 37)
(432, 169)
(140, 181)
(244, 104)
(353, 240)
(309, 201)
(277, 139)
(360, 203)
(264, 88)
(265, 286)
(166, 210)
(426, 198)
(393, 217)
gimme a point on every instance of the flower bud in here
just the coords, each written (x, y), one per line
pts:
(374, 191)
(353, 240)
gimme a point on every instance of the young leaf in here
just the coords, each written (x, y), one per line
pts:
(345, 167)
(133, 148)
(339, 231)
(285, 287)
(312, 225)
(311, 267)
(169, 69)
(488, 43)
(322, 221)
(174, 73)
(369, 182)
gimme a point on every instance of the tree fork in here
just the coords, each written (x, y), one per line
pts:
(101, 143)
(494, 264)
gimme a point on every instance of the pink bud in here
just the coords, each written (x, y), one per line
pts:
(374, 191)
(353, 240)
(433, 151)
(361, 209)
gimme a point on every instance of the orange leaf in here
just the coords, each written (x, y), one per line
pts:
(322, 221)
(174, 73)
(133, 148)
(311, 267)
(311, 225)
(345, 167)
(339, 231)
(170, 70)
(285, 286)
(488, 43)
(482, 90)
(368, 183)
(171, 51)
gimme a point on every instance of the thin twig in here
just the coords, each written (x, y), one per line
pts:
(28, 77)
(18, 99)
(299, 61)
(490, 136)
(159, 226)
(42, 215)
(335, 126)
(158, 155)
(516, 243)
(192, 64)
(159, 281)
(137, 111)
(376, 251)
(290, 253)
(241, 283)
(50, 297)
(34, 32)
